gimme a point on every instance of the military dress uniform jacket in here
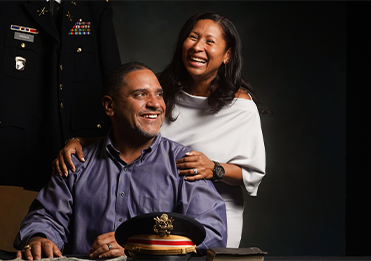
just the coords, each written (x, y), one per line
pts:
(52, 71)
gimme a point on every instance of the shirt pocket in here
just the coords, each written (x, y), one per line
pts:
(20, 57)
(81, 60)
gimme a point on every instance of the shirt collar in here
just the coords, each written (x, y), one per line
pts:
(115, 154)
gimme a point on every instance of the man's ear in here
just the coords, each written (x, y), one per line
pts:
(108, 105)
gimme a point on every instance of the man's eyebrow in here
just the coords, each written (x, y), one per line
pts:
(139, 90)
(146, 90)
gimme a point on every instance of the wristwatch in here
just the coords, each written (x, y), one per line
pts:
(218, 172)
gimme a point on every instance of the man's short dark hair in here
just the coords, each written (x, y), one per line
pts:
(116, 78)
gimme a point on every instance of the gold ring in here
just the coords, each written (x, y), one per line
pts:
(27, 247)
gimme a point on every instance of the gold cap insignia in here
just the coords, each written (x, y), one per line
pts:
(163, 226)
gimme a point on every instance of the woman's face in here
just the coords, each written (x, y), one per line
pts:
(204, 50)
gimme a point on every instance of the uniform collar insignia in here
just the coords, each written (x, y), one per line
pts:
(42, 11)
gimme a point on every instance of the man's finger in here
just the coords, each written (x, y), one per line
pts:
(28, 254)
(56, 251)
(98, 251)
(48, 248)
(36, 251)
(113, 253)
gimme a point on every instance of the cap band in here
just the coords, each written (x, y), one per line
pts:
(156, 245)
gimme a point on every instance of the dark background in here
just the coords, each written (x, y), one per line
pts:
(295, 58)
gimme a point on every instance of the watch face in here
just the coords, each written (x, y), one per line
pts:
(218, 172)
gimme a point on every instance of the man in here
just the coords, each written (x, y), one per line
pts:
(130, 172)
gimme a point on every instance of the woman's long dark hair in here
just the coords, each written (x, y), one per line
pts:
(223, 88)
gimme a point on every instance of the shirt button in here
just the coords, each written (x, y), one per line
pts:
(126, 169)
(122, 194)
(120, 219)
(23, 45)
(99, 126)
(61, 86)
(61, 67)
(79, 50)
(62, 105)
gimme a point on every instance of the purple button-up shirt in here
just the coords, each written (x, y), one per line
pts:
(104, 191)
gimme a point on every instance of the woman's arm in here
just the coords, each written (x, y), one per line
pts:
(64, 159)
(204, 167)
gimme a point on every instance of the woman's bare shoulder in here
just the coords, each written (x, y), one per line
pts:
(242, 94)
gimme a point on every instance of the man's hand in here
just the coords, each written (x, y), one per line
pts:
(106, 246)
(39, 247)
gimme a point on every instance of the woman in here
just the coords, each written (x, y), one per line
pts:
(211, 109)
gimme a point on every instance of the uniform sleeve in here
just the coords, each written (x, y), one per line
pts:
(200, 200)
(49, 214)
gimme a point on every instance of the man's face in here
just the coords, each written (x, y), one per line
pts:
(140, 105)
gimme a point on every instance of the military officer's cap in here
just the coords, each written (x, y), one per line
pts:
(160, 236)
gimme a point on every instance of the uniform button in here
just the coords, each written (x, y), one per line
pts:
(99, 126)
(62, 105)
(23, 45)
(61, 86)
(61, 67)
(120, 219)
(79, 50)
(126, 169)
(122, 194)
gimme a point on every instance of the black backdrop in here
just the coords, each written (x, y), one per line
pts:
(295, 58)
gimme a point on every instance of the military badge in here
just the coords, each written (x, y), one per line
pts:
(20, 63)
(163, 225)
(24, 29)
(80, 28)
(42, 11)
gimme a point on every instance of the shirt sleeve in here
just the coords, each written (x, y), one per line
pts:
(49, 214)
(200, 200)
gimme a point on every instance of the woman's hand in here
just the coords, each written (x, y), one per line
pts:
(64, 159)
(106, 246)
(198, 161)
(195, 165)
